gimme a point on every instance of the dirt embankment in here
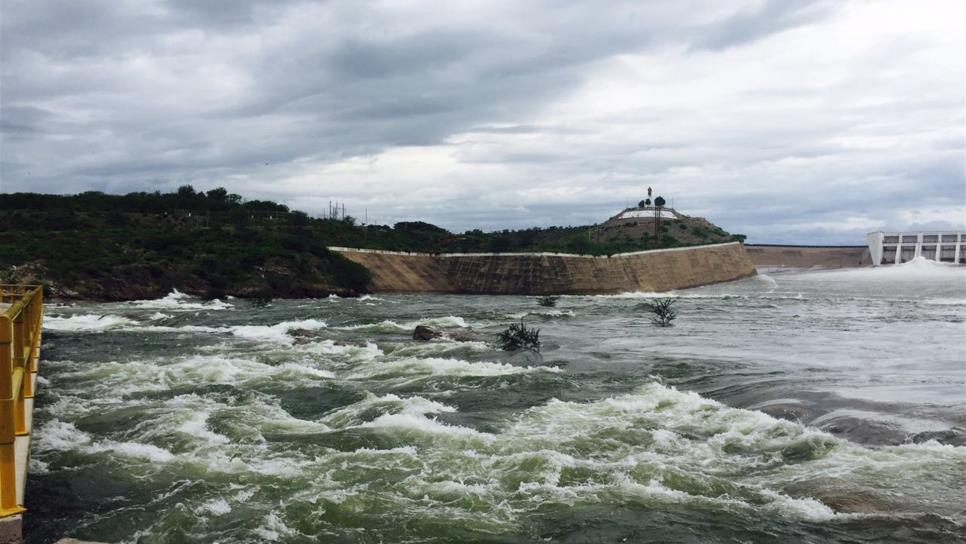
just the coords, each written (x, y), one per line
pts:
(531, 274)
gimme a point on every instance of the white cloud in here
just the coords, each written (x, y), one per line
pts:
(789, 122)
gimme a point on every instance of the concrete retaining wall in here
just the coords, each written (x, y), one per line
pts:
(810, 256)
(553, 273)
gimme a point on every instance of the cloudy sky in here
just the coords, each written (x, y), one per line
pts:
(788, 120)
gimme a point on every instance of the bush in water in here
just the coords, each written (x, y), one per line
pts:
(663, 312)
(548, 300)
(518, 336)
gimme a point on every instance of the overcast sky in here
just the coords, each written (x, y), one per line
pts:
(787, 120)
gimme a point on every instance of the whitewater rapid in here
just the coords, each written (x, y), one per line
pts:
(783, 406)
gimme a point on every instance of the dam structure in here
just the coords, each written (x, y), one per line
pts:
(552, 273)
(785, 256)
(900, 247)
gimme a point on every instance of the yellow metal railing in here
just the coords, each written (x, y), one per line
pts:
(22, 308)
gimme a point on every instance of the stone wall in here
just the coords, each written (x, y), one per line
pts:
(553, 273)
(809, 256)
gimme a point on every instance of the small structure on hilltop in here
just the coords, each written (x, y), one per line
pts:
(653, 221)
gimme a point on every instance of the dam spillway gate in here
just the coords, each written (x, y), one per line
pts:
(901, 247)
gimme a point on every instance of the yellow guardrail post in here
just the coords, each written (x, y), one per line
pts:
(8, 461)
(20, 333)
(19, 379)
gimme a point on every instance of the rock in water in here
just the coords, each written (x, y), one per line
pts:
(464, 336)
(425, 334)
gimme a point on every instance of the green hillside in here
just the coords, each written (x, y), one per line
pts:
(141, 245)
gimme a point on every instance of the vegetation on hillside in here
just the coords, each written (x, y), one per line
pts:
(215, 243)
(142, 245)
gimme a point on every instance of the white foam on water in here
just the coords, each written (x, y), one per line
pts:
(109, 322)
(87, 323)
(36, 466)
(647, 295)
(917, 269)
(366, 352)
(276, 333)
(686, 427)
(201, 369)
(183, 329)
(137, 450)
(389, 325)
(176, 300)
(422, 424)
(547, 313)
(910, 425)
(806, 509)
(439, 347)
(113, 378)
(622, 487)
(215, 507)
(356, 414)
(58, 435)
(298, 369)
(767, 280)
(197, 426)
(274, 529)
(62, 436)
(409, 368)
(945, 301)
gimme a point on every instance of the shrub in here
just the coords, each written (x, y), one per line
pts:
(519, 336)
(663, 311)
(548, 300)
(349, 273)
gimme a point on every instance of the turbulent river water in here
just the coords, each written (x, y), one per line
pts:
(823, 406)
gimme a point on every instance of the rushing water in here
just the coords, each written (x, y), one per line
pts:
(794, 407)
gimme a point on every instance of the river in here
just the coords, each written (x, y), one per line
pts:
(808, 406)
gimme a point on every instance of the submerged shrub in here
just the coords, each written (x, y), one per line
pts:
(548, 300)
(519, 336)
(663, 311)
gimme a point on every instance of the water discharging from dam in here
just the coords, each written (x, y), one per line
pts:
(818, 406)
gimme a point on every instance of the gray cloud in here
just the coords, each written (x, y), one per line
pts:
(496, 115)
